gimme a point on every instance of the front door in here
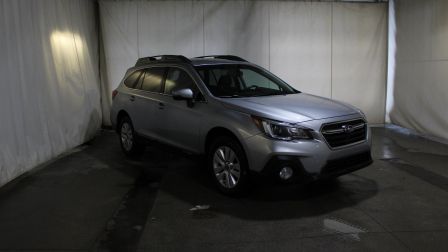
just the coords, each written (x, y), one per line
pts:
(179, 124)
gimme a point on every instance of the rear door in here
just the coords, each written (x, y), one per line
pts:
(146, 101)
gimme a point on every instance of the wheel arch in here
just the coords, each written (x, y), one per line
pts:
(220, 131)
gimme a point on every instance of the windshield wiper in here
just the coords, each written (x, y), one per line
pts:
(269, 94)
(229, 96)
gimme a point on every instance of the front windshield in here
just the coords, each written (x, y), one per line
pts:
(241, 81)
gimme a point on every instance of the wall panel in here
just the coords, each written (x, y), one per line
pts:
(239, 28)
(300, 45)
(167, 27)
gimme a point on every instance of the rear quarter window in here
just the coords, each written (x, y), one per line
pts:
(132, 79)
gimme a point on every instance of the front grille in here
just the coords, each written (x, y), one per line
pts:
(344, 133)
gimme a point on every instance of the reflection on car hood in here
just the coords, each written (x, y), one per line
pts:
(290, 108)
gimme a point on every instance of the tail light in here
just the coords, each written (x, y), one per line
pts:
(114, 93)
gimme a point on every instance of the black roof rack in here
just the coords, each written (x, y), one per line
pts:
(147, 60)
(227, 57)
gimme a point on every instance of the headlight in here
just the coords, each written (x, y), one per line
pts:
(281, 130)
(362, 114)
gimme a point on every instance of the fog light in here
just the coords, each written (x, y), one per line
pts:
(286, 173)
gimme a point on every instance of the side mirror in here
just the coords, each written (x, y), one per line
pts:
(183, 94)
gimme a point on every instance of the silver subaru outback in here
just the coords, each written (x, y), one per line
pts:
(241, 117)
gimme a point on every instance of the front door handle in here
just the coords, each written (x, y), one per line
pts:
(161, 105)
(132, 98)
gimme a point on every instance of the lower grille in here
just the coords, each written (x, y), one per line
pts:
(347, 164)
(344, 133)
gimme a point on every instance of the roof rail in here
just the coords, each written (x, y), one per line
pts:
(227, 57)
(147, 60)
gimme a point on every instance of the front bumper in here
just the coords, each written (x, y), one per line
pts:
(310, 159)
(333, 168)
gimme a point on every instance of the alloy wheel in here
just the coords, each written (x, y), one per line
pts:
(226, 167)
(127, 138)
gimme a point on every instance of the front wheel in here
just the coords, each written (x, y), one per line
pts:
(228, 165)
(128, 139)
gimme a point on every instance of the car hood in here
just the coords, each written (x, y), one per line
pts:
(290, 108)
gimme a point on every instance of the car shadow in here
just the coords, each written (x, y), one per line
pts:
(185, 178)
(264, 200)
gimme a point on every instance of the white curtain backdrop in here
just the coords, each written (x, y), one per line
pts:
(359, 59)
(332, 49)
(421, 72)
(49, 85)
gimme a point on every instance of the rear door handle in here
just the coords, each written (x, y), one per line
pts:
(132, 98)
(161, 105)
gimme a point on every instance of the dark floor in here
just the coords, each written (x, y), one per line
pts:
(95, 199)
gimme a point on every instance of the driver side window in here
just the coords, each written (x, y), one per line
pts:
(179, 79)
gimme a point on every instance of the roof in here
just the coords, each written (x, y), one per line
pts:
(212, 61)
(197, 61)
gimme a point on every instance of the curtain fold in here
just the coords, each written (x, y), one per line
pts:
(49, 90)
(420, 97)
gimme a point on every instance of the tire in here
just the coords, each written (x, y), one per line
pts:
(228, 166)
(129, 141)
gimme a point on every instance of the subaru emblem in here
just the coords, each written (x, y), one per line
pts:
(347, 128)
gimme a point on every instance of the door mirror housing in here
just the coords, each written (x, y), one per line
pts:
(183, 94)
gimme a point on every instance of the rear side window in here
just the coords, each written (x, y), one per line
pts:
(178, 79)
(132, 80)
(153, 79)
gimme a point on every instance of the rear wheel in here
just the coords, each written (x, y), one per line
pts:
(128, 139)
(228, 165)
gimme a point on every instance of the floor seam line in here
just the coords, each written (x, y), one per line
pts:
(278, 240)
(386, 229)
